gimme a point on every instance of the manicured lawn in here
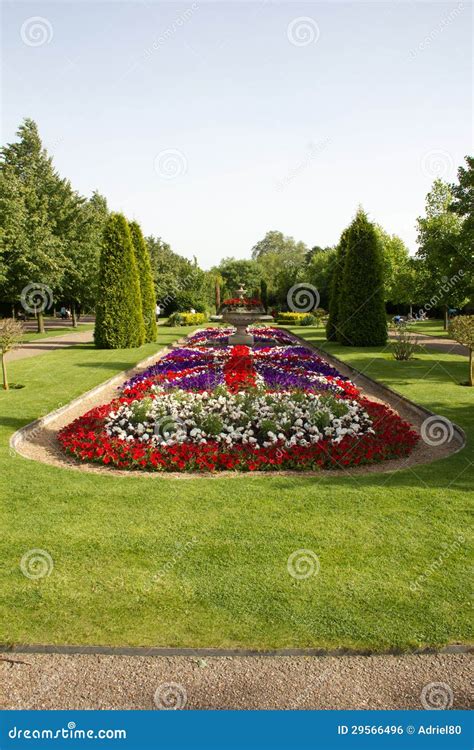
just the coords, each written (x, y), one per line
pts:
(430, 328)
(203, 562)
(57, 332)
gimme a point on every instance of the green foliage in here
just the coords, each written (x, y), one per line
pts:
(462, 330)
(318, 271)
(119, 318)
(179, 282)
(147, 290)
(235, 272)
(11, 332)
(362, 320)
(395, 261)
(264, 294)
(186, 319)
(337, 271)
(297, 319)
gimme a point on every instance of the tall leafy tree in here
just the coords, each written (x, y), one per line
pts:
(119, 318)
(147, 290)
(33, 250)
(447, 261)
(362, 320)
(335, 288)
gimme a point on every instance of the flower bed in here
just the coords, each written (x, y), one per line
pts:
(203, 408)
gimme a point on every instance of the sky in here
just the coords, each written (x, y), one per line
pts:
(212, 123)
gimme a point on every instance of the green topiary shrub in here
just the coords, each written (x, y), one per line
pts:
(145, 277)
(309, 320)
(335, 288)
(119, 318)
(361, 317)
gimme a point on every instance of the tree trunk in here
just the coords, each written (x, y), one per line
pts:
(218, 297)
(73, 315)
(4, 371)
(411, 311)
(471, 367)
(445, 317)
(40, 319)
(13, 311)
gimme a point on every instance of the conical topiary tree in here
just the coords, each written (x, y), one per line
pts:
(336, 285)
(147, 288)
(362, 318)
(119, 318)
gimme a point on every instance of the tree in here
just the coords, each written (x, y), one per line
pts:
(447, 276)
(462, 329)
(119, 318)
(463, 199)
(80, 277)
(281, 260)
(318, 272)
(362, 320)
(235, 272)
(264, 294)
(335, 288)
(34, 253)
(178, 281)
(11, 332)
(395, 260)
(147, 290)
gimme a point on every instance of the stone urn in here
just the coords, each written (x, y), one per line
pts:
(242, 316)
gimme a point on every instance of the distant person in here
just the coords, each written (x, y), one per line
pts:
(192, 311)
(63, 313)
(157, 311)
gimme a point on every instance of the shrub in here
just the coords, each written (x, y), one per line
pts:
(186, 319)
(185, 300)
(297, 319)
(145, 277)
(361, 316)
(335, 288)
(462, 330)
(404, 345)
(119, 319)
(11, 332)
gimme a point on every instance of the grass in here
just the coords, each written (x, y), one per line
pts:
(30, 336)
(430, 327)
(203, 562)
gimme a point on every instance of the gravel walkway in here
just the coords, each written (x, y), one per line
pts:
(56, 681)
(40, 346)
(435, 343)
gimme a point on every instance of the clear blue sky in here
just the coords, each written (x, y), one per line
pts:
(368, 106)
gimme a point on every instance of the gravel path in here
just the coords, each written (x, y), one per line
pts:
(447, 346)
(40, 346)
(56, 681)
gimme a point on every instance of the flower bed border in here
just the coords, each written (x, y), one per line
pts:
(33, 441)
